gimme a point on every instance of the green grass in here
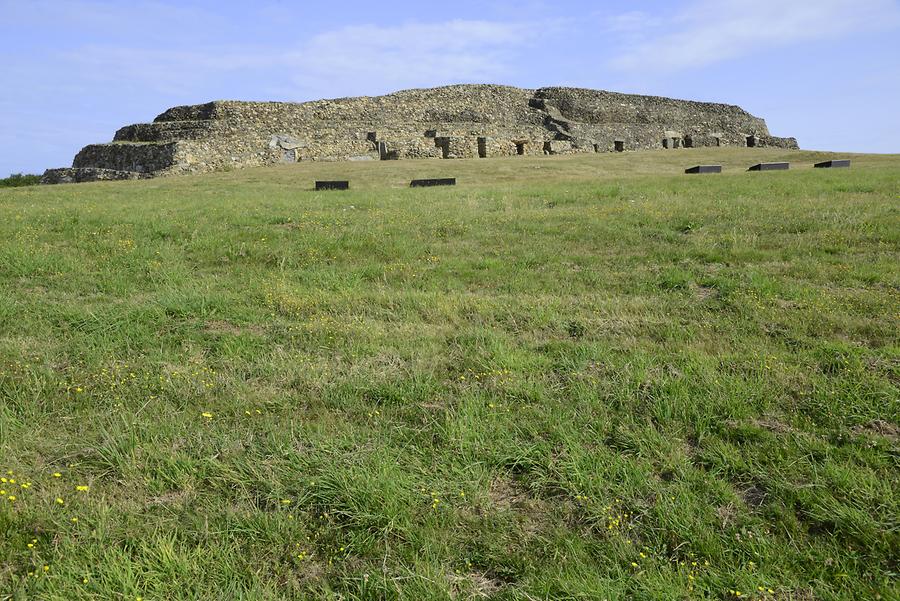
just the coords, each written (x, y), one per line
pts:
(567, 378)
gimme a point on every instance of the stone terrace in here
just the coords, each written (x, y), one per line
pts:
(461, 121)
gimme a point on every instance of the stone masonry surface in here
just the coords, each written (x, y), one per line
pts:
(459, 121)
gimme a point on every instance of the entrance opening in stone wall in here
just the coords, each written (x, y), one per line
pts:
(482, 148)
(596, 148)
(387, 155)
(619, 145)
(688, 142)
(751, 141)
(548, 148)
(444, 145)
(520, 148)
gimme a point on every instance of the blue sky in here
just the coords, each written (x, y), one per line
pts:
(825, 71)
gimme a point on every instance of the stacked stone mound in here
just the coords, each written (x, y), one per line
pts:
(462, 121)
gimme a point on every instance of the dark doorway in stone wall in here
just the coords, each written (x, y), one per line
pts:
(444, 145)
(387, 155)
(596, 148)
(619, 145)
(548, 148)
(688, 142)
(751, 141)
(717, 141)
(482, 148)
(520, 148)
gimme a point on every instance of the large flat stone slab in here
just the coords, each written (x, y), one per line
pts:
(332, 185)
(704, 169)
(770, 167)
(833, 164)
(440, 181)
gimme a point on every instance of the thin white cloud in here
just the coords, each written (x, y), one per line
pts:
(710, 31)
(357, 59)
(366, 57)
(154, 19)
(158, 70)
(631, 22)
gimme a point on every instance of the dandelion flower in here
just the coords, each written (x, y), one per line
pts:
(207, 414)
(57, 475)
(82, 488)
(59, 500)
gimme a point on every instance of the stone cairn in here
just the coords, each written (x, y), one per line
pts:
(452, 122)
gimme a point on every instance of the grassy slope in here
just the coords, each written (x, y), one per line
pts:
(568, 378)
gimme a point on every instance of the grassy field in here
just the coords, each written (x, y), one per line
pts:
(589, 377)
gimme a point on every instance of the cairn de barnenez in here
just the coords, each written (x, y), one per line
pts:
(452, 122)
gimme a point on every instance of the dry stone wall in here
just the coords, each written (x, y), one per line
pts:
(462, 121)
